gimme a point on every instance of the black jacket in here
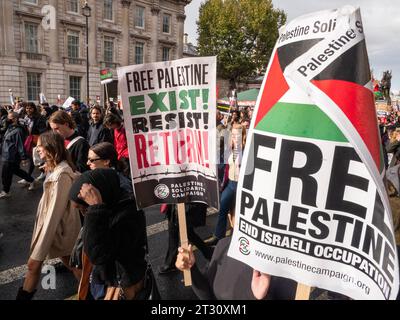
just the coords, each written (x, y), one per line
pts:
(39, 125)
(98, 133)
(3, 125)
(229, 279)
(114, 240)
(79, 152)
(78, 121)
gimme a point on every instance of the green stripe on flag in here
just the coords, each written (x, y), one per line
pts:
(301, 120)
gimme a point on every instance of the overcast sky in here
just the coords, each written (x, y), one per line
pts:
(381, 19)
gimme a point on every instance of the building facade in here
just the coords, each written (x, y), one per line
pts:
(43, 44)
(189, 49)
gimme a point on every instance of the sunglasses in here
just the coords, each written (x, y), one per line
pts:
(93, 160)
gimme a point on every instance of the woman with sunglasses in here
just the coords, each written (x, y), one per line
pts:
(103, 156)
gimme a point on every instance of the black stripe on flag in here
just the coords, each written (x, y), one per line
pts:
(351, 66)
(288, 53)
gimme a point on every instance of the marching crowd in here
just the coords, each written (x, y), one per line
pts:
(87, 214)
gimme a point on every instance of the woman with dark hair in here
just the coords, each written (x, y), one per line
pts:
(36, 125)
(103, 155)
(114, 236)
(57, 221)
(97, 132)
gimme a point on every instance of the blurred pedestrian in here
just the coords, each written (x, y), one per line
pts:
(115, 123)
(12, 154)
(237, 143)
(36, 125)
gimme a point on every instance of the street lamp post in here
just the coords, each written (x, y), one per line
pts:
(86, 11)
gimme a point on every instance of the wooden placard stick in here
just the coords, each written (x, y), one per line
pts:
(303, 292)
(184, 239)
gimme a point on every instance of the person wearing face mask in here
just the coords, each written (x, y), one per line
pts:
(97, 133)
(12, 154)
(57, 222)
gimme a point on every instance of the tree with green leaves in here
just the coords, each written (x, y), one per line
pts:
(241, 33)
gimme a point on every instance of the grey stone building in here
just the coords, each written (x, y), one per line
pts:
(189, 49)
(44, 49)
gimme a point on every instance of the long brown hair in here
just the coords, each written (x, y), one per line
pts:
(61, 117)
(53, 143)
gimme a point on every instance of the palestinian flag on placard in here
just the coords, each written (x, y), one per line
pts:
(317, 93)
(345, 81)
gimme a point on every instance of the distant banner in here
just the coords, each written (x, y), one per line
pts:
(311, 204)
(67, 103)
(169, 113)
(106, 76)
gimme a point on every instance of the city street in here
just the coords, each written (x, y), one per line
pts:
(17, 215)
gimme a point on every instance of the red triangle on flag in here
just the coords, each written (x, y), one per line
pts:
(357, 102)
(275, 87)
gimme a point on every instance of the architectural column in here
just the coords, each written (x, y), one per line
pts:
(93, 34)
(7, 45)
(155, 10)
(181, 25)
(53, 37)
(125, 32)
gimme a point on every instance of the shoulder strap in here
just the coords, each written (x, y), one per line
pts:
(72, 142)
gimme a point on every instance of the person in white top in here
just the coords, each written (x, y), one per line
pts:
(237, 142)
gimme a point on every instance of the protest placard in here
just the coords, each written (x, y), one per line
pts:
(67, 103)
(311, 203)
(169, 113)
(106, 76)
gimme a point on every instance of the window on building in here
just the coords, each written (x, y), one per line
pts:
(31, 38)
(73, 46)
(166, 26)
(33, 85)
(108, 10)
(108, 51)
(31, 1)
(73, 6)
(75, 87)
(139, 52)
(139, 17)
(165, 53)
